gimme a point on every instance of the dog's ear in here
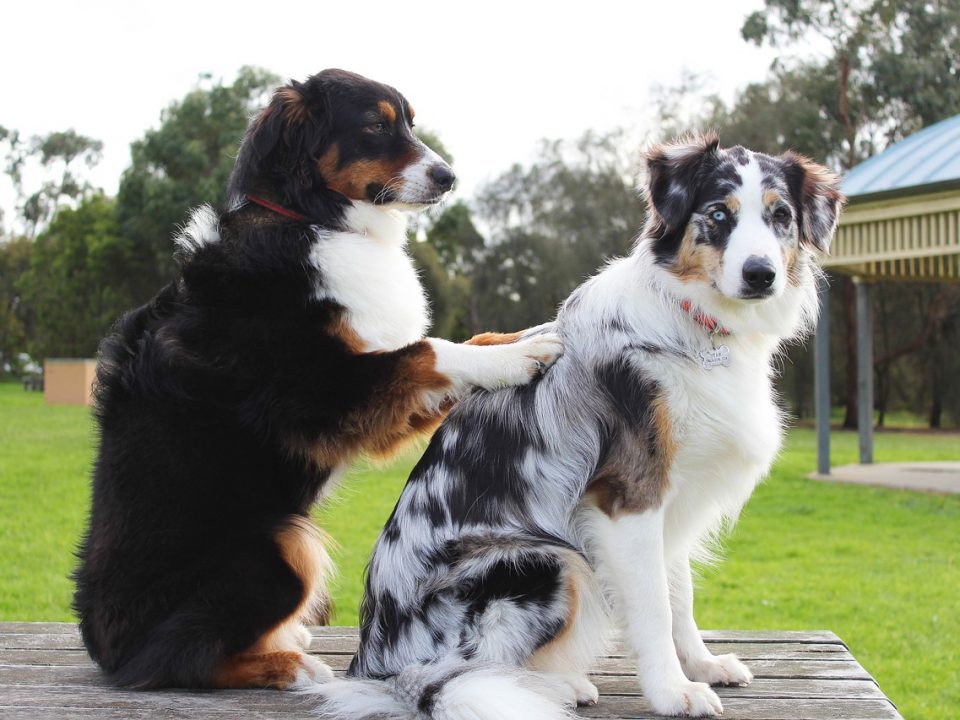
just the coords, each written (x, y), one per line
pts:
(815, 191)
(669, 175)
(280, 143)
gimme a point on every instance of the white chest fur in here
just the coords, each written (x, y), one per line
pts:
(727, 431)
(367, 270)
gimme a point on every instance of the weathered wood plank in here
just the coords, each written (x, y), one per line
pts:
(622, 708)
(798, 636)
(848, 669)
(60, 713)
(249, 704)
(80, 658)
(46, 641)
(333, 644)
(763, 688)
(845, 669)
(762, 651)
(90, 676)
(236, 701)
(46, 675)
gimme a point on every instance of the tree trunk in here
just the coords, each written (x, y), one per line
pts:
(882, 393)
(936, 394)
(936, 411)
(844, 102)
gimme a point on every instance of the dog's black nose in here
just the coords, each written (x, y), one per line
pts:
(442, 177)
(758, 273)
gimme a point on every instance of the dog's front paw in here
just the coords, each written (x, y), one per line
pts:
(524, 360)
(584, 691)
(689, 699)
(718, 670)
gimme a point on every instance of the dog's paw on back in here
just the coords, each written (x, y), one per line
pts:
(686, 699)
(495, 366)
(526, 359)
(719, 670)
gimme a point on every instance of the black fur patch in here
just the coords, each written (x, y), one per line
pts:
(629, 394)
(532, 579)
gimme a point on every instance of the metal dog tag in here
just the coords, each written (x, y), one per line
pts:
(715, 356)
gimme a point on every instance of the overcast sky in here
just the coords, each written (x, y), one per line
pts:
(490, 78)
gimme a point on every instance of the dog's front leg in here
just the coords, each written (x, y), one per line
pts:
(631, 555)
(494, 360)
(541, 352)
(413, 387)
(697, 661)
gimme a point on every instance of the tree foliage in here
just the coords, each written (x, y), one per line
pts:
(14, 313)
(53, 159)
(891, 67)
(552, 224)
(184, 162)
(75, 285)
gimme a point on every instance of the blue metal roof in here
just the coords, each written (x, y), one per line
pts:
(931, 155)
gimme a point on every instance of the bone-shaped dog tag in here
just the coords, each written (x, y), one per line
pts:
(713, 357)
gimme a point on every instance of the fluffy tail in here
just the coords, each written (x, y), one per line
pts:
(445, 692)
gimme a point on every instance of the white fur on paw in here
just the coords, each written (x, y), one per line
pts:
(311, 672)
(304, 637)
(521, 361)
(688, 699)
(719, 670)
(584, 691)
(492, 366)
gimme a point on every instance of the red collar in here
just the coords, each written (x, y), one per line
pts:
(279, 209)
(707, 322)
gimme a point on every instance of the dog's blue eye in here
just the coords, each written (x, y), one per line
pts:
(719, 215)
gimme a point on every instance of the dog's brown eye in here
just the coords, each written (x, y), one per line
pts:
(781, 215)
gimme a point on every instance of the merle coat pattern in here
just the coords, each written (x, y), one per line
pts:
(541, 513)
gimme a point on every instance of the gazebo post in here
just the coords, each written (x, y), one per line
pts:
(864, 372)
(821, 379)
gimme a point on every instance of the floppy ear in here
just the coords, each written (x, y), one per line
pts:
(816, 193)
(279, 143)
(669, 176)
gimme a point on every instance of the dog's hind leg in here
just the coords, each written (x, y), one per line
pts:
(568, 656)
(698, 662)
(515, 597)
(240, 628)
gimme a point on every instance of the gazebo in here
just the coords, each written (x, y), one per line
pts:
(902, 222)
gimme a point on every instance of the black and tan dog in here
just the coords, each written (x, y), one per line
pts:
(291, 341)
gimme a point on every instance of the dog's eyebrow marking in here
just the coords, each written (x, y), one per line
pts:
(770, 197)
(388, 110)
(732, 203)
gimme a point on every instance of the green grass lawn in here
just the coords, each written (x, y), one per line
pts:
(879, 567)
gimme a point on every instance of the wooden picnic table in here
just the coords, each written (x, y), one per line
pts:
(45, 674)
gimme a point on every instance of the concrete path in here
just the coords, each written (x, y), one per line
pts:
(941, 477)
